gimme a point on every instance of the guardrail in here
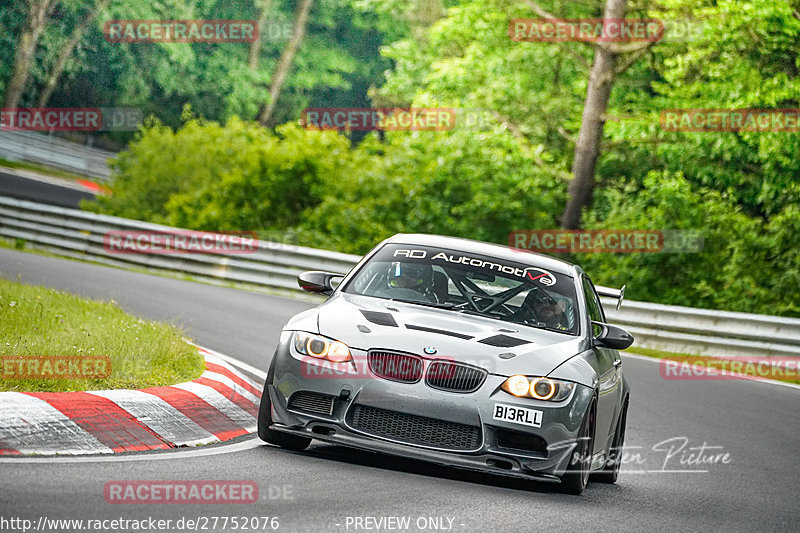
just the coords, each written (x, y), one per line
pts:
(706, 332)
(56, 153)
(80, 234)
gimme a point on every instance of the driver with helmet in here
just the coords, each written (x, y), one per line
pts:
(410, 281)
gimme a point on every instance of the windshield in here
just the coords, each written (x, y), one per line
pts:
(470, 283)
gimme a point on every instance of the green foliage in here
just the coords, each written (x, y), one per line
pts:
(238, 176)
(12, 19)
(745, 264)
(221, 172)
(741, 55)
(467, 183)
(339, 55)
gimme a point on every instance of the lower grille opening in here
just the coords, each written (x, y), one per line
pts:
(323, 430)
(414, 429)
(312, 402)
(499, 463)
(517, 440)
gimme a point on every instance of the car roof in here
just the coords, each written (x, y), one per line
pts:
(497, 251)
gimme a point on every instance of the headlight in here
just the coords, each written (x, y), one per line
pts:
(553, 390)
(321, 348)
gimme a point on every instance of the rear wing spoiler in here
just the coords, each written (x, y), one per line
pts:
(619, 294)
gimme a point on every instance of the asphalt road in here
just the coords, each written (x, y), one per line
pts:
(47, 192)
(661, 488)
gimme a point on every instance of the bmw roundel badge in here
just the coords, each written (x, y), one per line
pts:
(430, 350)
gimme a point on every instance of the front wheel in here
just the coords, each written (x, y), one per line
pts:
(284, 440)
(576, 478)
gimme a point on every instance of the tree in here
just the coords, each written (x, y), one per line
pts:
(264, 9)
(38, 11)
(587, 148)
(605, 69)
(286, 60)
(66, 51)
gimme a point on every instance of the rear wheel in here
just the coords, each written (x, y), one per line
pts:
(610, 472)
(284, 440)
(576, 478)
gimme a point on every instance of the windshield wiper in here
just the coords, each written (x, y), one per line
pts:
(542, 325)
(446, 305)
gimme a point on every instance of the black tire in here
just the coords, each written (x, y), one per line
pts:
(576, 478)
(610, 472)
(284, 440)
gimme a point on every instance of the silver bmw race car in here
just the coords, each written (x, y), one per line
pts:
(458, 352)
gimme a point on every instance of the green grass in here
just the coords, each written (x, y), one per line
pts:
(37, 321)
(16, 244)
(41, 169)
(703, 360)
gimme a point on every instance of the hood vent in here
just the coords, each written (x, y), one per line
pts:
(377, 317)
(504, 341)
(439, 331)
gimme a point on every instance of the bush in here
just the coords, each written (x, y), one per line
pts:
(464, 183)
(745, 264)
(236, 177)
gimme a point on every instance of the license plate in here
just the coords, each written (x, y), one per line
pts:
(517, 415)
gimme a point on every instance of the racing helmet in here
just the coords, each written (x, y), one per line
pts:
(409, 275)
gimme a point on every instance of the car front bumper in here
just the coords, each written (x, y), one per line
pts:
(495, 446)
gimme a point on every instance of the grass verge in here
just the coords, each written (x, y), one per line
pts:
(42, 322)
(791, 375)
(41, 169)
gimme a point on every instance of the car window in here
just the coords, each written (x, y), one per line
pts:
(593, 305)
(470, 283)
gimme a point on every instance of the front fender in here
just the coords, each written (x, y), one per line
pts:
(577, 369)
(305, 321)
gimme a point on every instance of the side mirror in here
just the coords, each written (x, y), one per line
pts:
(613, 337)
(317, 281)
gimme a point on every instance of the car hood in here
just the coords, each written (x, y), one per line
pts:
(502, 348)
